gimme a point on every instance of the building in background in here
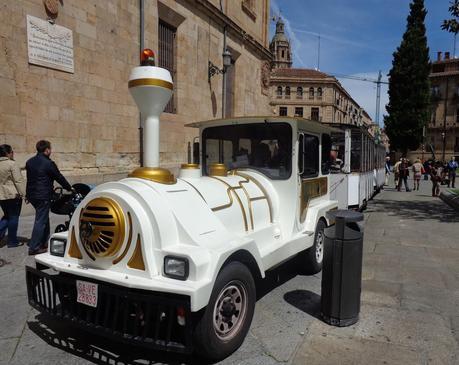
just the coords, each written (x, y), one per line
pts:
(89, 116)
(442, 132)
(309, 93)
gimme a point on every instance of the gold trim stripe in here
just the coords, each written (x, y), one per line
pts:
(74, 251)
(262, 189)
(228, 191)
(151, 82)
(128, 243)
(194, 187)
(310, 189)
(136, 261)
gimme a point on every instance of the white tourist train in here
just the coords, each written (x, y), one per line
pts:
(172, 263)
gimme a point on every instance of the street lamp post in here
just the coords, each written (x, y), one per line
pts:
(443, 136)
(214, 70)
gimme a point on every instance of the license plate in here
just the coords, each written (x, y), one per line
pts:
(86, 293)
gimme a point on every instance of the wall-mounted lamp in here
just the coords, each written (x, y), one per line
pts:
(214, 70)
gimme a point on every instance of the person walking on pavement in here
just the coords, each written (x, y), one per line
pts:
(11, 193)
(397, 172)
(452, 167)
(387, 168)
(418, 170)
(41, 174)
(404, 172)
(435, 178)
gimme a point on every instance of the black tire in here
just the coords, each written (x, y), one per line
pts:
(60, 228)
(212, 343)
(312, 259)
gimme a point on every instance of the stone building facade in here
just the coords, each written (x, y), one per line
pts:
(314, 95)
(442, 131)
(309, 93)
(89, 116)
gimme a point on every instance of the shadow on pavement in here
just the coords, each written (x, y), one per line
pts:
(100, 350)
(306, 301)
(417, 210)
(103, 351)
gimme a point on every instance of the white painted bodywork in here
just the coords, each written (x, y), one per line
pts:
(186, 219)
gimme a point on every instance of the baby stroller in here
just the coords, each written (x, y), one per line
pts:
(65, 204)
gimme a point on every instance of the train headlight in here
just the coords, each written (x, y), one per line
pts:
(176, 267)
(57, 246)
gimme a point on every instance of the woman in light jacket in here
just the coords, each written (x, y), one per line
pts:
(11, 193)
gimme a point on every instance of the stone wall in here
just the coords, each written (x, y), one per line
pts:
(89, 116)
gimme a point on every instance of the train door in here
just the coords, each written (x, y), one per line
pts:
(312, 184)
(355, 167)
(340, 152)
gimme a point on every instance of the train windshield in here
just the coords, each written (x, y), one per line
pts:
(265, 147)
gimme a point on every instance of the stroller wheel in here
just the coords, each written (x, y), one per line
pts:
(60, 228)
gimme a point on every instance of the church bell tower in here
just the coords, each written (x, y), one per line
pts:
(280, 47)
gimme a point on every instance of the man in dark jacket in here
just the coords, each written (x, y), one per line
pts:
(404, 172)
(41, 174)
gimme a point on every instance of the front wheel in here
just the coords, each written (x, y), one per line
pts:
(312, 258)
(226, 320)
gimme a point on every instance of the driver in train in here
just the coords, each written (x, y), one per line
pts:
(335, 163)
(261, 154)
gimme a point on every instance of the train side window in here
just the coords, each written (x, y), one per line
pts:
(309, 149)
(356, 150)
(328, 156)
(337, 152)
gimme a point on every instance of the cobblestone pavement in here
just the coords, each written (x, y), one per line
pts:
(409, 313)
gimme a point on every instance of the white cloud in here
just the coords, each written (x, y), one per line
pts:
(364, 93)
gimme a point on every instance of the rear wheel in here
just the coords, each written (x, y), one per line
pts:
(312, 258)
(226, 320)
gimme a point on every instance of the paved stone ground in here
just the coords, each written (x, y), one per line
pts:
(409, 313)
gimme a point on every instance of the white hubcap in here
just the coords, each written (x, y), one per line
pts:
(230, 310)
(320, 247)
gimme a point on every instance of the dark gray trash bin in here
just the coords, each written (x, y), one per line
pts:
(342, 269)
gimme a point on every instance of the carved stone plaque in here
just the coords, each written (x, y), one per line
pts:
(49, 45)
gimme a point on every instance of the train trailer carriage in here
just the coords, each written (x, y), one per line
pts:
(171, 263)
(359, 173)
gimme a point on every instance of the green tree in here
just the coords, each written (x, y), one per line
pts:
(409, 86)
(452, 25)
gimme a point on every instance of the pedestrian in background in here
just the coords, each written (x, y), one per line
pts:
(387, 168)
(452, 167)
(404, 172)
(397, 172)
(435, 178)
(41, 174)
(418, 170)
(11, 193)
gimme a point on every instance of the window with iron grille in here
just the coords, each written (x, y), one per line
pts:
(166, 56)
(299, 112)
(283, 111)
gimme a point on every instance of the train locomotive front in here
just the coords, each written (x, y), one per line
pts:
(170, 262)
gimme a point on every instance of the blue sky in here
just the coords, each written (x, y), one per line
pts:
(358, 38)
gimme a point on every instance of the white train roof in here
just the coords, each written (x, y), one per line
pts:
(302, 123)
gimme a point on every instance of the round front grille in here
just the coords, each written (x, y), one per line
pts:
(102, 227)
